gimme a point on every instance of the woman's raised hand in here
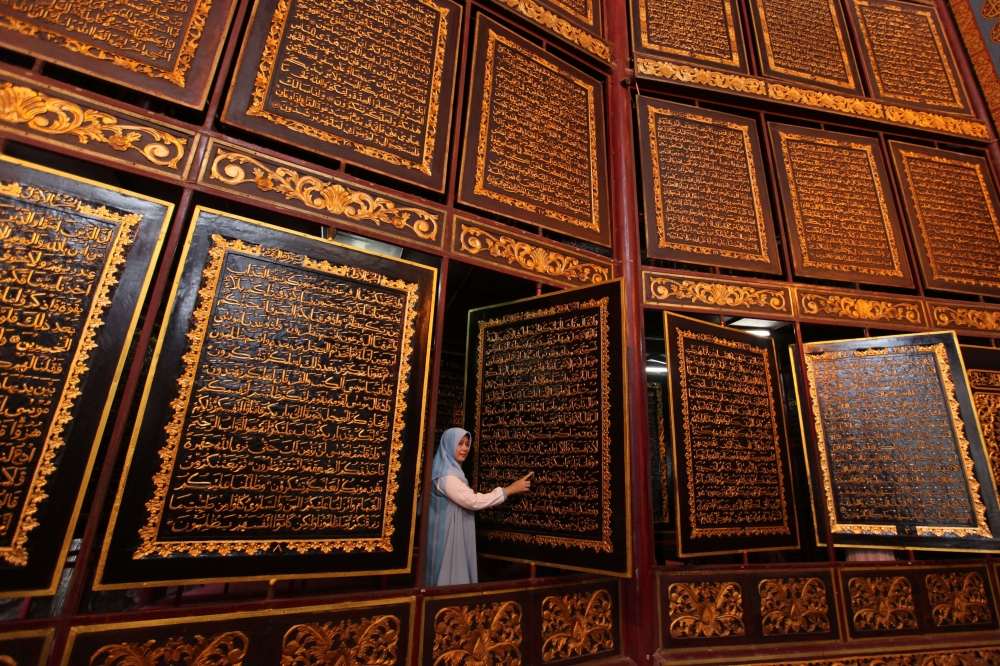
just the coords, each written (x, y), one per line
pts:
(521, 485)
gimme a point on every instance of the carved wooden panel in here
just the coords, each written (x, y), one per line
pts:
(710, 293)
(860, 309)
(983, 656)
(982, 366)
(545, 393)
(661, 459)
(367, 632)
(76, 258)
(976, 21)
(839, 208)
(806, 41)
(968, 318)
(901, 460)
(338, 79)
(26, 648)
(524, 101)
(700, 32)
(954, 214)
(705, 194)
(164, 49)
(577, 22)
(69, 122)
(280, 428)
(907, 56)
(322, 195)
(733, 481)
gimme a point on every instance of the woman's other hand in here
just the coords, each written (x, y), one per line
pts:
(520, 486)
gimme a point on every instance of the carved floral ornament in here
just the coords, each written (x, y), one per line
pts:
(576, 624)
(882, 603)
(792, 606)
(706, 610)
(717, 294)
(531, 257)
(228, 649)
(561, 27)
(369, 641)
(958, 599)
(969, 318)
(483, 635)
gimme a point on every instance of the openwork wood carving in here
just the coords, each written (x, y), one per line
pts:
(368, 642)
(706, 610)
(882, 603)
(576, 624)
(793, 605)
(228, 649)
(958, 599)
(484, 634)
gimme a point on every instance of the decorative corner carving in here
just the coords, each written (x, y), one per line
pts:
(850, 307)
(228, 649)
(483, 634)
(662, 69)
(706, 610)
(793, 606)
(718, 294)
(969, 318)
(882, 603)
(368, 642)
(561, 27)
(531, 257)
(958, 599)
(574, 625)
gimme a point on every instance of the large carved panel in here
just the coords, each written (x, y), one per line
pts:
(906, 53)
(982, 366)
(76, 258)
(901, 460)
(280, 430)
(545, 392)
(703, 32)
(705, 194)
(953, 210)
(368, 83)
(840, 213)
(165, 49)
(733, 481)
(368, 632)
(534, 141)
(806, 41)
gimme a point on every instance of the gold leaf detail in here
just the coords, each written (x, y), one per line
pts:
(561, 27)
(480, 636)
(685, 74)
(958, 599)
(983, 320)
(825, 100)
(576, 624)
(50, 115)
(937, 122)
(792, 606)
(228, 649)
(721, 295)
(530, 257)
(324, 195)
(706, 610)
(882, 603)
(861, 308)
(367, 642)
(988, 407)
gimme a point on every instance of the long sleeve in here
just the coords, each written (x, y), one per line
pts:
(465, 497)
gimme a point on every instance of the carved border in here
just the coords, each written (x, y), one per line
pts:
(591, 43)
(822, 305)
(708, 292)
(731, 26)
(974, 317)
(981, 59)
(981, 656)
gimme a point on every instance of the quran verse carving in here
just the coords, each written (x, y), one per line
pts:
(958, 599)
(793, 606)
(285, 442)
(487, 634)
(706, 610)
(228, 649)
(575, 625)
(59, 262)
(369, 641)
(543, 404)
(693, 30)
(882, 603)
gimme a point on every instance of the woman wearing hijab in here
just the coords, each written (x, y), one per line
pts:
(451, 537)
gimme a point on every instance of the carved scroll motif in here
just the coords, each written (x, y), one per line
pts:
(706, 610)
(483, 634)
(792, 606)
(865, 309)
(958, 599)
(964, 317)
(531, 257)
(882, 603)
(658, 454)
(49, 115)
(988, 407)
(561, 27)
(718, 294)
(228, 649)
(705, 31)
(979, 54)
(576, 624)
(976, 657)
(367, 642)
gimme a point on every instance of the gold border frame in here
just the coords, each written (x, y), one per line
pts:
(122, 358)
(850, 84)
(734, 44)
(112, 521)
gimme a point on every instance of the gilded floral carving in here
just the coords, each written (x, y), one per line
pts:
(988, 407)
(685, 74)
(574, 625)
(825, 100)
(958, 599)
(849, 307)
(41, 113)
(936, 122)
(976, 657)
(718, 294)
(561, 27)
(323, 195)
(706, 610)
(228, 649)
(531, 257)
(481, 635)
(792, 606)
(370, 641)
(982, 320)
(882, 603)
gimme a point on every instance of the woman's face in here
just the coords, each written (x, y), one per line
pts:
(462, 450)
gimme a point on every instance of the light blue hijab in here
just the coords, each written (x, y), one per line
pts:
(451, 530)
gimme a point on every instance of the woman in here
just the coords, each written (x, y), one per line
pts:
(451, 537)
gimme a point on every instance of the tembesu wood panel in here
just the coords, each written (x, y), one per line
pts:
(706, 32)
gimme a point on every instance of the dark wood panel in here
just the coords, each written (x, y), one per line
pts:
(304, 364)
(525, 102)
(76, 258)
(703, 32)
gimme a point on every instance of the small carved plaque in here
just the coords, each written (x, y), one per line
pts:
(907, 55)
(705, 194)
(166, 49)
(706, 610)
(953, 210)
(704, 32)
(976, 21)
(734, 489)
(841, 215)
(661, 461)
(806, 41)
(75, 261)
(369, 83)
(525, 102)
(882, 603)
(901, 460)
